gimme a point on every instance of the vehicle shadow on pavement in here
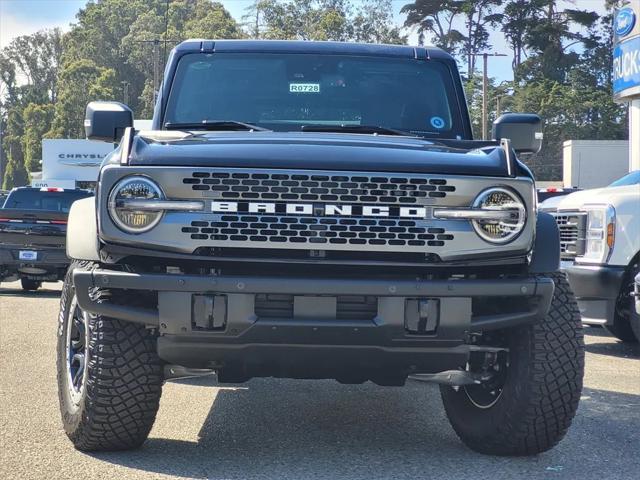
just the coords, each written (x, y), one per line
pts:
(321, 429)
(45, 293)
(611, 346)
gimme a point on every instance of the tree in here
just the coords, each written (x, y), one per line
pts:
(37, 122)
(550, 40)
(440, 19)
(299, 19)
(373, 23)
(336, 20)
(480, 16)
(80, 82)
(15, 174)
(35, 60)
(436, 18)
(118, 35)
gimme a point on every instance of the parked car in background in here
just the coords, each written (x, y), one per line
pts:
(3, 196)
(552, 192)
(33, 227)
(600, 247)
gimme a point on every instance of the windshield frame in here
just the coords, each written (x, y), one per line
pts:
(453, 84)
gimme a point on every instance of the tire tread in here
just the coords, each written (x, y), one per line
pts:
(123, 387)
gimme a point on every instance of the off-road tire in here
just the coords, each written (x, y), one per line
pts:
(542, 387)
(626, 321)
(123, 380)
(30, 285)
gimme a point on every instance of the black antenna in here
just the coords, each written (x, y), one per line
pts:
(166, 33)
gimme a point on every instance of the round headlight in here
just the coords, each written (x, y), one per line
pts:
(126, 217)
(502, 228)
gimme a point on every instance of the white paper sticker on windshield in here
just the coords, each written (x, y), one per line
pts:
(304, 88)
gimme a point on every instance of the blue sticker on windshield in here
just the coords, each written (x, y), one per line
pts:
(437, 122)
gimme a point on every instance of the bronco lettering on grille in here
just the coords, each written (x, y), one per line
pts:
(318, 210)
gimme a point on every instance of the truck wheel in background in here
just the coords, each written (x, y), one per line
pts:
(626, 321)
(30, 285)
(109, 376)
(529, 403)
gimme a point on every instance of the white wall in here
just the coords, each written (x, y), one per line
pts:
(594, 163)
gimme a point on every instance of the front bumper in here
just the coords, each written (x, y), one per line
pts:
(49, 264)
(312, 341)
(596, 288)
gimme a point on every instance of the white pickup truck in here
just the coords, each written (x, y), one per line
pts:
(600, 249)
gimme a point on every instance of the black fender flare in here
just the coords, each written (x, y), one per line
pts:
(545, 256)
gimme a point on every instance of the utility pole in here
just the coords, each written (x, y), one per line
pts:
(485, 87)
(156, 65)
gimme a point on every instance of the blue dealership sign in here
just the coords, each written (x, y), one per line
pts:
(624, 21)
(626, 68)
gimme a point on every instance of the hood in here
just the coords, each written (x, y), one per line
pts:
(312, 150)
(605, 195)
(573, 201)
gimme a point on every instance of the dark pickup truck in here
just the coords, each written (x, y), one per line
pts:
(317, 210)
(33, 227)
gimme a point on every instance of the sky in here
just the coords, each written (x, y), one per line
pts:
(23, 17)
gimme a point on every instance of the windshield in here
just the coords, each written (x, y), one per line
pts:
(38, 200)
(632, 178)
(285, 92)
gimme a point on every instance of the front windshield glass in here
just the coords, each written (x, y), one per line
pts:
(632, 178)
(287, 91)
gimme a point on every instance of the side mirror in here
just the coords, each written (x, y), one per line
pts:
(523, 129)
(106, 121)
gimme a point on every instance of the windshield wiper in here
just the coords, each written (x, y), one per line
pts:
(222, 125)
(355, 129)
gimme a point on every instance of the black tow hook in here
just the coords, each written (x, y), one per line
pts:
(453, 378)
(172, 372)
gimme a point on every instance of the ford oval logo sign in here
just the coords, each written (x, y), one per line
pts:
(625, 20)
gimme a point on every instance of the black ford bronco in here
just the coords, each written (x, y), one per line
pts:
(317, 210)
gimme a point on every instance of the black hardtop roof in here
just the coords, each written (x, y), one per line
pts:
(301, 46)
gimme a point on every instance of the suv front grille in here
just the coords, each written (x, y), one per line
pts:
(310, 230)
(572, 226)
(324, 188)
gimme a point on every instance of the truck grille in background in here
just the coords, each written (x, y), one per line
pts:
(572, 226)
(316, 231)
(325, 188)
(348, 307)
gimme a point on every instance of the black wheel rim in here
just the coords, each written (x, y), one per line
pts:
(76, 351)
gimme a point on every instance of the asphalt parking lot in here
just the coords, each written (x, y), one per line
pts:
(280, 429)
